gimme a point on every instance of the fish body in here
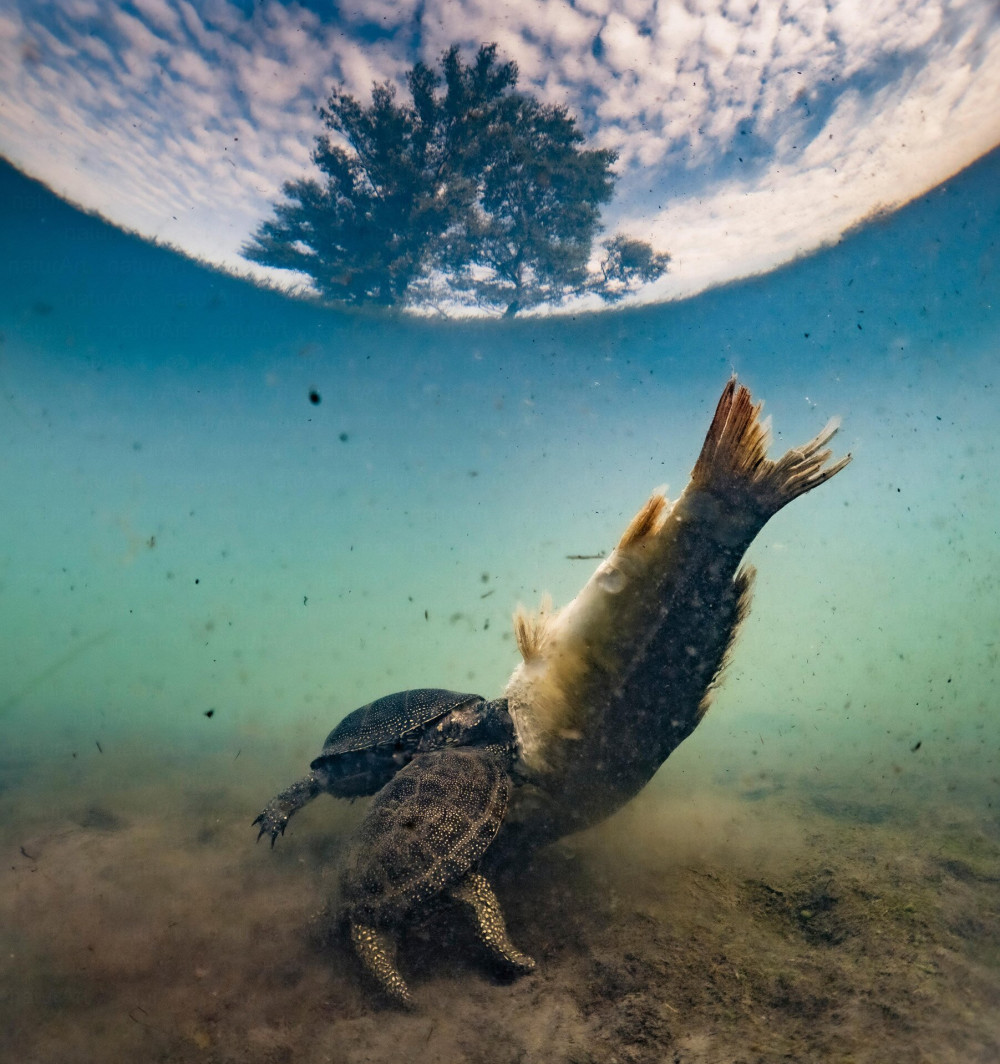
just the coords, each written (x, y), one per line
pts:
(612, 683)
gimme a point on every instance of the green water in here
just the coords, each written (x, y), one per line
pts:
(187, 532)
(201, 570)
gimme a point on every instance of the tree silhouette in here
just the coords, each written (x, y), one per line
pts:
(628, 263)
(477, 194)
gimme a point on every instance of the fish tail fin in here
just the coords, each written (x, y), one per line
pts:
(733, 463)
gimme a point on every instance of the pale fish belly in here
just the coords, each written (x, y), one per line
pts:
(612, 683)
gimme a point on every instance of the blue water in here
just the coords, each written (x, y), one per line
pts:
(187, 533)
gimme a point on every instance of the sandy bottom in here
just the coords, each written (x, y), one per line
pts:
(714, 928)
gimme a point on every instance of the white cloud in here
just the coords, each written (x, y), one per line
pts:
(207, 39)
(380, 12)
(141, 39)
(202, 111)
(191, 66)
(161, 16)
(268, 81)
(876, 152)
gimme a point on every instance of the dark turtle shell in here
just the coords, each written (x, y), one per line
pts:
(369, 746)
(392, 717)
(425, 829)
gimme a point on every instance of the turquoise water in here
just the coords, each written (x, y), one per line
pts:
(186, 533)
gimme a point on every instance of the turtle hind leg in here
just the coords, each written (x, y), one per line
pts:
(374, 950)
(475, 891)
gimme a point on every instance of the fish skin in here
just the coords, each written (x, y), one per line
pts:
(611, 684)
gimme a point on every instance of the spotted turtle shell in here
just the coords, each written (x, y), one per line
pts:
(391, 718)
(369, 746)
(425, 829)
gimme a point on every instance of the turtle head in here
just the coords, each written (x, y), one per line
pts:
(496, 725)
(474, 723)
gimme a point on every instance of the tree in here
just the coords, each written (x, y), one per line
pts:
(627, 264)
(477, 194)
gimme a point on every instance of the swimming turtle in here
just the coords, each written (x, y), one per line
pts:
(371, 744)
(440, 763)
(607, 688)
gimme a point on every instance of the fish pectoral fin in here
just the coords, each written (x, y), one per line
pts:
(531, 630)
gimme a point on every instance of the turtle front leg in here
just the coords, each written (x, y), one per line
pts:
(374, 949)
(274, 818)
(475, 891)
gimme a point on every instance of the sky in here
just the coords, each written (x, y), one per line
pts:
(748, 133)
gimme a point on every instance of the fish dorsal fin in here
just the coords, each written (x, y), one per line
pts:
(646, 522)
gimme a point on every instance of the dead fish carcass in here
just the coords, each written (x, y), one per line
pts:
(613, 682)
(607, 688)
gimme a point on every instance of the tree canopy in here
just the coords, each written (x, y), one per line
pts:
(471, 193)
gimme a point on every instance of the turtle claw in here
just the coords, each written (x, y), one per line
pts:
(272, 822)
(273, 819)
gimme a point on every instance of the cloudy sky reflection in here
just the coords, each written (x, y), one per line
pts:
(748, 132)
